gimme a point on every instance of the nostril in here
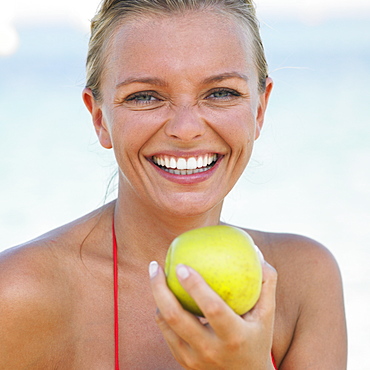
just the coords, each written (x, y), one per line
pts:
(186, 124)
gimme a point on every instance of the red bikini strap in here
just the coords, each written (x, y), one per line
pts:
(273, 361)
(115, 292)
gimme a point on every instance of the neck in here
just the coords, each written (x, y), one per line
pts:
(147, 232)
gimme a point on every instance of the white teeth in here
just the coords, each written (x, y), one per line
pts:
(182, 166)
(172, 163)
(205, 160)
(191, 163)
(167, 162)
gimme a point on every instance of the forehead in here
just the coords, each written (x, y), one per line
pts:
(186, 45)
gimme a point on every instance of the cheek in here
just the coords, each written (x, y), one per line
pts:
(133, 127)
(235, 126)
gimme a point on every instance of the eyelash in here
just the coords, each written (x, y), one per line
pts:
(136, 97)
(231, 93)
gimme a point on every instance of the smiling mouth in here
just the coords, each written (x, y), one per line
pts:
(186, 166)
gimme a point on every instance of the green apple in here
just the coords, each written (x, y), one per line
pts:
(227, 259)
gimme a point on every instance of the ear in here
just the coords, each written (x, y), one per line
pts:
(95, 110)
(263, 101)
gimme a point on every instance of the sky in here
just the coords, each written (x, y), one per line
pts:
(79, 12)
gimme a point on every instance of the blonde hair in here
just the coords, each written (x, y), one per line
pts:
(112, 13)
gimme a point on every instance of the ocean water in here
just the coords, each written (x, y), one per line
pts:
(310, 172)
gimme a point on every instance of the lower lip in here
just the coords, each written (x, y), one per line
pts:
(194, 178)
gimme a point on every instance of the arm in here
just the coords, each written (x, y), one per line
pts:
(228, 340)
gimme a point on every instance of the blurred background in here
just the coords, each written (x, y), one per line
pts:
(310, 172)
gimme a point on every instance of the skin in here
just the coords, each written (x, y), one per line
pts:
(57, 292)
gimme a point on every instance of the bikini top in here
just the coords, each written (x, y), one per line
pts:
(115, 290)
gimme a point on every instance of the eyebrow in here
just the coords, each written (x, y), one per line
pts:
(143, 80)
(225, 76)
(160, 82)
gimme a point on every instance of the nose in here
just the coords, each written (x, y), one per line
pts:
(186, 124)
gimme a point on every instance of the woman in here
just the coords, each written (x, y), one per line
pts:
(179, 90)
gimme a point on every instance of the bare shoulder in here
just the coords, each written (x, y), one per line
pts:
(308, 273)
(310, 315)
(36, 297)
(31, 304)
(296, 255)
(35, 303)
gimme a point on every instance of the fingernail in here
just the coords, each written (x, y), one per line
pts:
(153, 269)
(182, 272)
(260, 255)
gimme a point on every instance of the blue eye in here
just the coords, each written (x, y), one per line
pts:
(223, 94)
(143, 97)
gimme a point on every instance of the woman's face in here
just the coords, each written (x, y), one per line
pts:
(181, 108)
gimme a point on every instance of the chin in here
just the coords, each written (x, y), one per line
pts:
(190, 206)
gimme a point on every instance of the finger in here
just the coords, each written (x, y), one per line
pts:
(265, 306)
(174, 341)
(173, 317)
(180, 349)
(219, 315)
